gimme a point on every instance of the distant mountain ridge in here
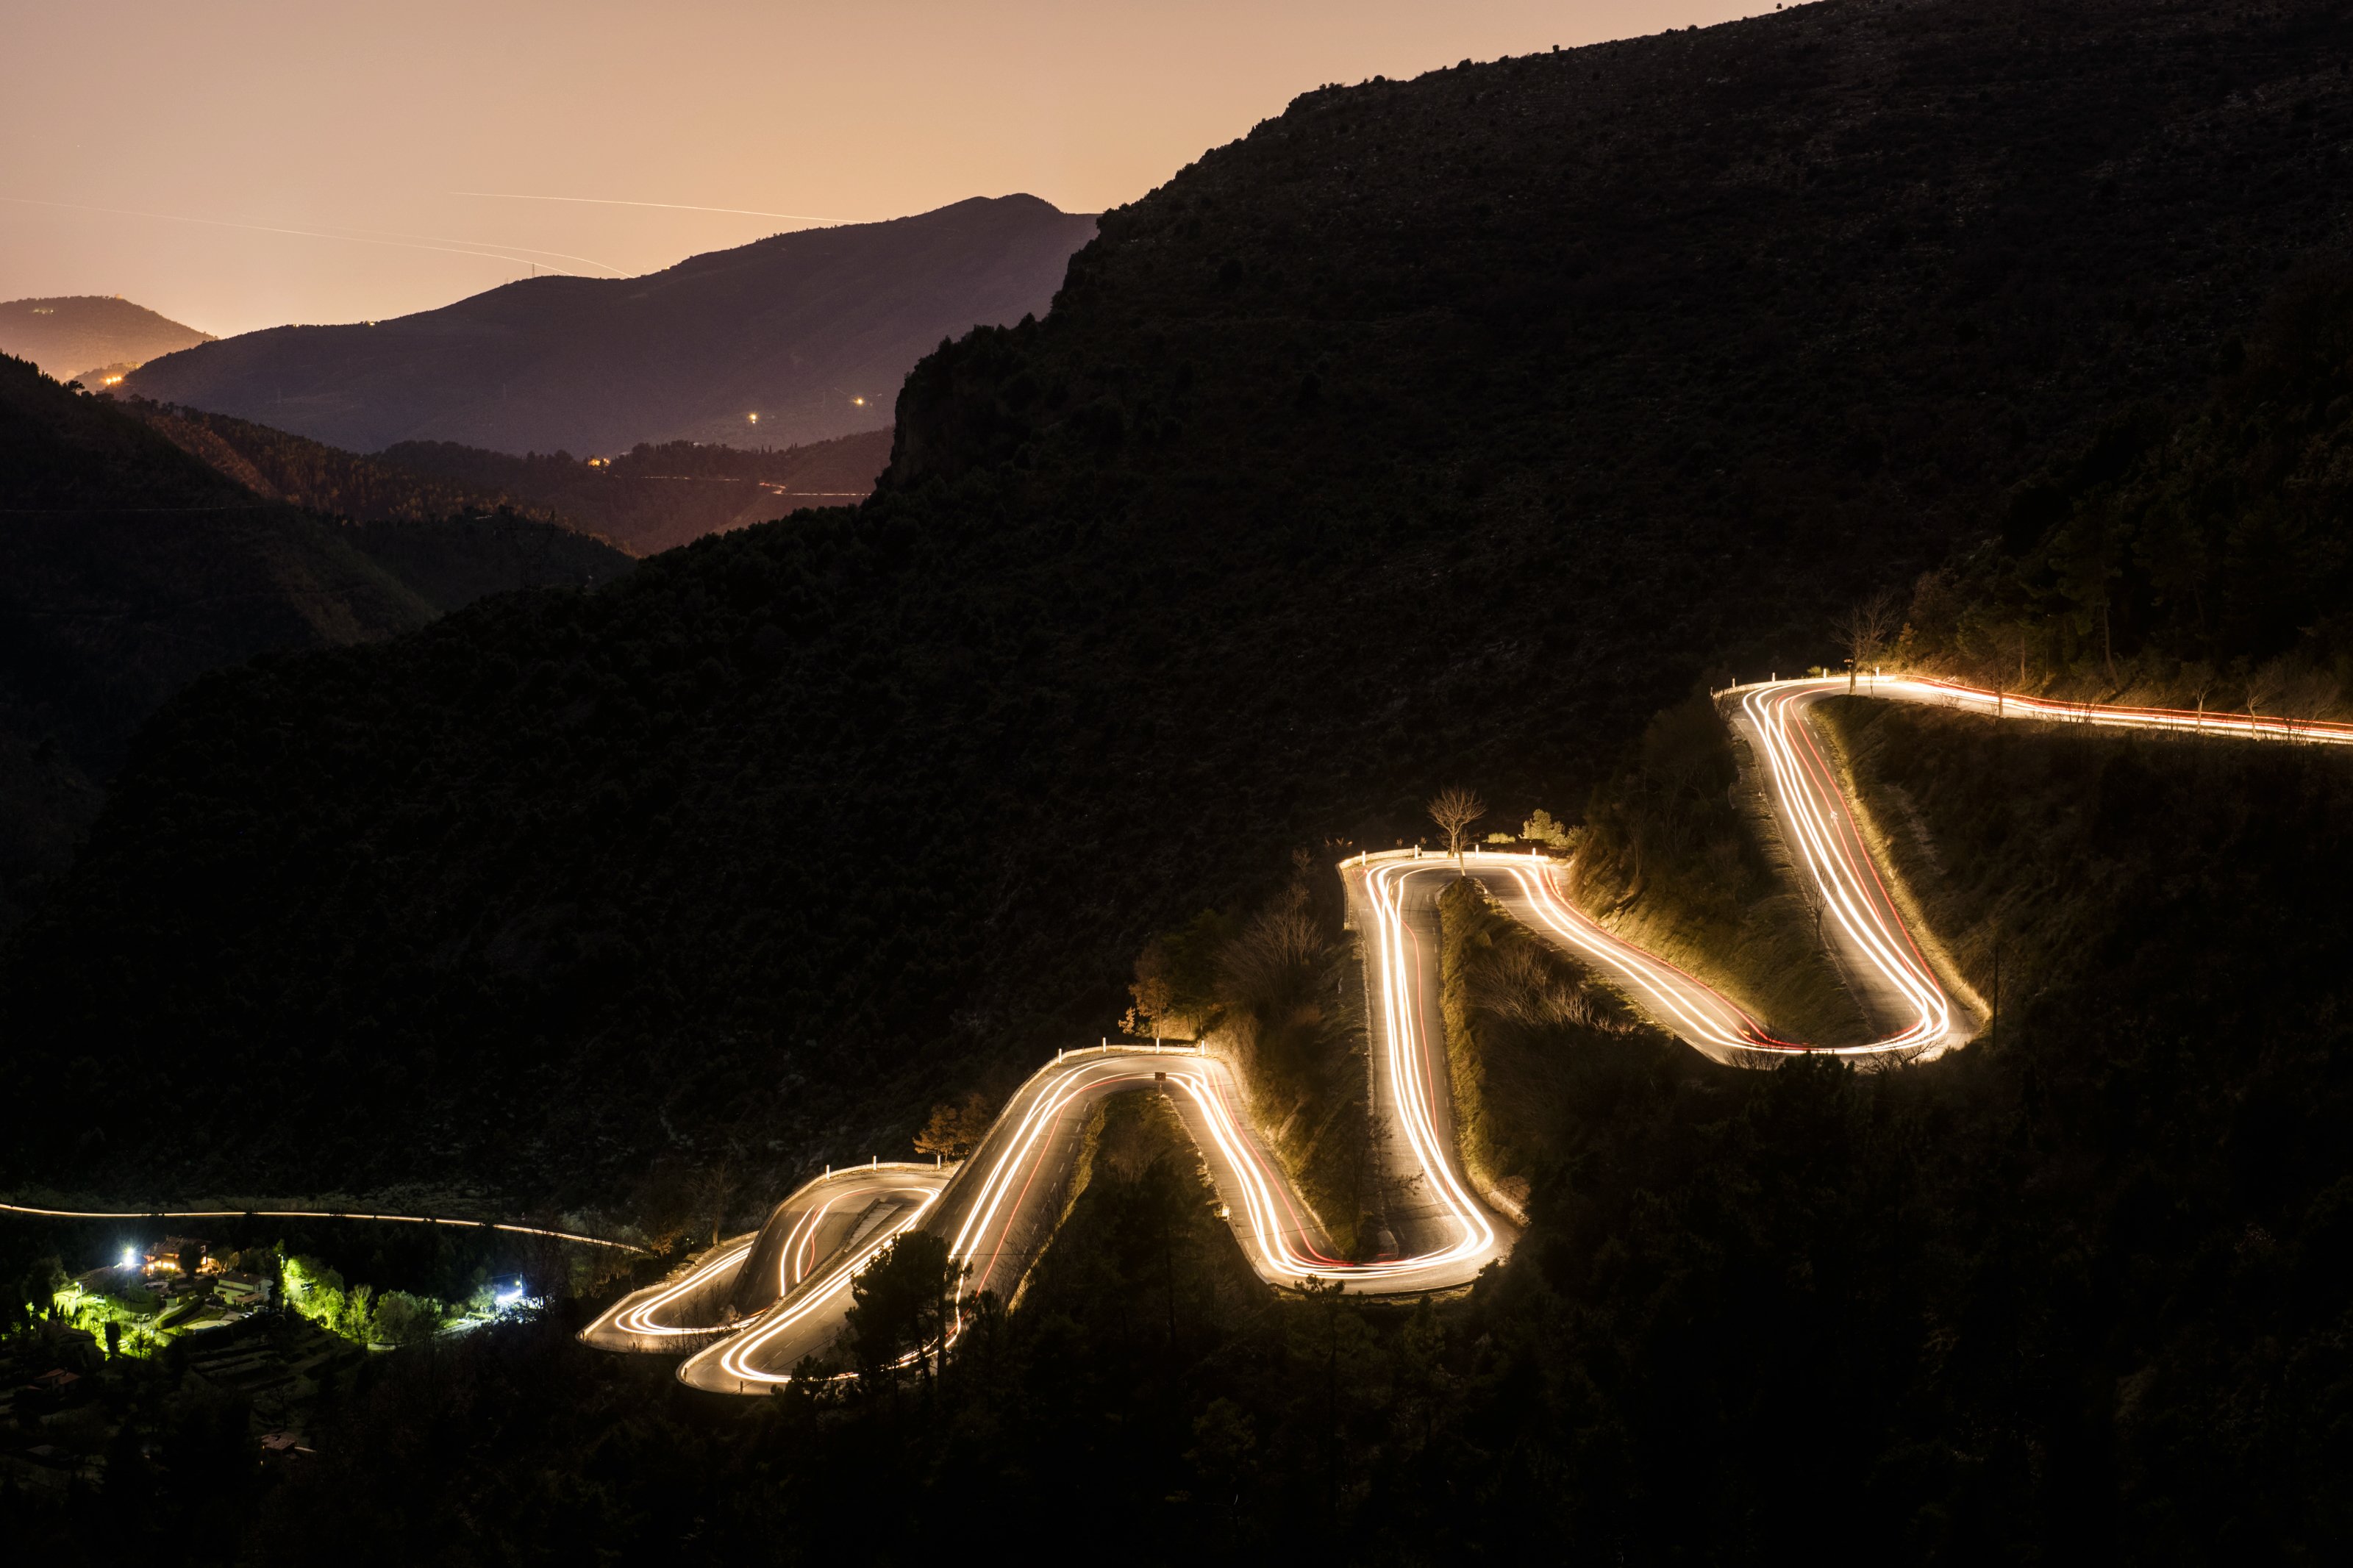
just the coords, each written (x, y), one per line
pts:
(649, 499)
(80, 334)
(131, 563)
(301, 472)
(813, 332)
(656, 498)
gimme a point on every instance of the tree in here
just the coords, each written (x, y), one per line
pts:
(1541, 828)
(900, 1306)
(714, 1187)
(1455, 809)
(2261, 683)
(43, 1281)
(1865, 630)
(955, 1128)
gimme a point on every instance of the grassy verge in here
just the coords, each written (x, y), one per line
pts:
(1519, 1014)
(1980, 819)
(1680, 854)
(1141, 1245)
(1276, 994)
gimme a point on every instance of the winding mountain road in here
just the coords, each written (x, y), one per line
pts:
(747, 1312)
(756, 1307)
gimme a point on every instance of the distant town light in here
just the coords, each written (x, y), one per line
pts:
(753, 418)
(860, 401)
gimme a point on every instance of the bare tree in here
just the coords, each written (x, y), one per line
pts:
(714, 1186)
(2261, 683)
(1455, 809)
(2201, 680)
(1866, 629)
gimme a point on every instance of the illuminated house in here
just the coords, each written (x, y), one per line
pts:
(172, 1255)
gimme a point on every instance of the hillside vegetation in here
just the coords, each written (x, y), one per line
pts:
(812, 331)
(646, 499)
(130, 567)
(655, 497)
(2079, 1292)
(1438, 430)
(2193, 555)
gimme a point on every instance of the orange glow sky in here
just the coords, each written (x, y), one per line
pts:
(363, 121)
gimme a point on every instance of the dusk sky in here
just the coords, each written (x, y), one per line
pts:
(363, 129)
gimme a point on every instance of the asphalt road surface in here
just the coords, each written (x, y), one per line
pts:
(751, 1309)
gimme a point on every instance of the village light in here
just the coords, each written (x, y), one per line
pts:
(130, 1258)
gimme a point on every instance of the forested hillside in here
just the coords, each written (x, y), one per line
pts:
(2196, 555)
(301, 472)
(654, 497)
(649, 498)
(129, 567)
(1439, 430)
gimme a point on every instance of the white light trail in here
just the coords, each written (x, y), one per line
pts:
(322, 1213)
(999, 1187)
(738, 1356)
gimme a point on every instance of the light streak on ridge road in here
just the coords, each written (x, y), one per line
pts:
(323, 1214)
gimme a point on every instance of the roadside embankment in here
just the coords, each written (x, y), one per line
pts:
(1276, 994)
(1141, 1250)
(1517, 1010)
(1679, 854)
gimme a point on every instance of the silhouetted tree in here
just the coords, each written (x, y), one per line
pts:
(1455, 809)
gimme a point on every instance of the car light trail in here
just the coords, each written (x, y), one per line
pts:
(323, 1214)
(997, 1193)
(739, 1357)
(643, 1312)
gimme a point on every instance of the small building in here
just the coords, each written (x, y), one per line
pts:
(182, 1255)
(240, 1289)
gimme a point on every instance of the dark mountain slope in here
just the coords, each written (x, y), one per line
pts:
(73, 333)
(129, 566)
(655, 497)
(1438, 430)
(649, 498)
(812, 331)
(278, 466)
(127, 569)
(2197, 557)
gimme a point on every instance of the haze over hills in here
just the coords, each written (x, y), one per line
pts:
(813, 332)
(84, 334)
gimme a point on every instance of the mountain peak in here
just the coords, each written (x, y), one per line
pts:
(795, 337)
(68, 335)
